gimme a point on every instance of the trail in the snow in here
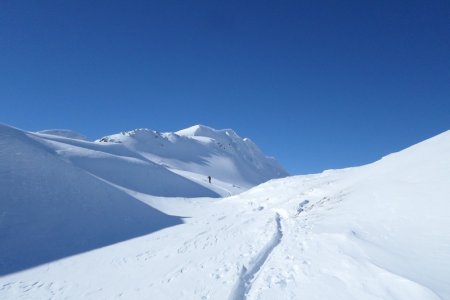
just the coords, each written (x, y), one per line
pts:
(248, 275)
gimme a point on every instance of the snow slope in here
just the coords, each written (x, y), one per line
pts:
(51, 209)
(62, 195)
(169, 164)
(379, 231)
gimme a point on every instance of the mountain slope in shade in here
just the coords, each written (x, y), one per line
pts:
(51, 209)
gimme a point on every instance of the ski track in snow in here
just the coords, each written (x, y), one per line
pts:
(249, 275)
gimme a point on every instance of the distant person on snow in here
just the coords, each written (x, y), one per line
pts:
(209, 179)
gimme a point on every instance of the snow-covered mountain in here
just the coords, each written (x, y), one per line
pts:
(380, 231)
(201, 150)
(166, 164)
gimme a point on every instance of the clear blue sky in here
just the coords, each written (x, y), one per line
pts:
(317, 84)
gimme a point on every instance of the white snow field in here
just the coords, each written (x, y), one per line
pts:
(380, 231)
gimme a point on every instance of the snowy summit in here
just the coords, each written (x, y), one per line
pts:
(234, 163)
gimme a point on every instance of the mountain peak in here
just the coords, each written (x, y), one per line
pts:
(206, 131)
(203, 151)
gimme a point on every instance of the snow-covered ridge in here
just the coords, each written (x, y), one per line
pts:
(203, 150)
(202, 130)
(64, 133)
(167, 164)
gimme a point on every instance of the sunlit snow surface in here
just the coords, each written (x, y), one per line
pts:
(381, 231)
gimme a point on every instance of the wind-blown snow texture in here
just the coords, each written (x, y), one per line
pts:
(380, 231)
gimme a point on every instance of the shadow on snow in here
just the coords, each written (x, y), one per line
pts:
(51, 209)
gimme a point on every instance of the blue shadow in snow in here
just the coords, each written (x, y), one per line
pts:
(50, 209)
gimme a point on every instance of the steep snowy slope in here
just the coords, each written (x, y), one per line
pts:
(50, 209)
(380, 231)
